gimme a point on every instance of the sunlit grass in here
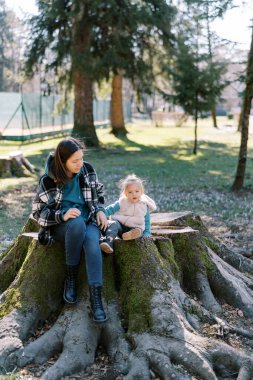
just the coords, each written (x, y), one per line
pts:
(28, 148)
(215, 172)
(174, 177)
(10, 183)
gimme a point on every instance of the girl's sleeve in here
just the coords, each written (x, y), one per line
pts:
(147, 230)
(111, 209)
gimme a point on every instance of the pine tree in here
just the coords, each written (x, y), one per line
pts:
(139, 42)
(190, 83)
(206, 12)
(6, 37)
(92, 40)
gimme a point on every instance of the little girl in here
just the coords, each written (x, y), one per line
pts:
(130, 214)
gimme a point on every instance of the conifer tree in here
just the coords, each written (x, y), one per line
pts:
(6, 37)
(190, 80)
(91, 40)
(206, 11)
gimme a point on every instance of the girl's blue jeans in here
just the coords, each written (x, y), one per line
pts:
(79, 236)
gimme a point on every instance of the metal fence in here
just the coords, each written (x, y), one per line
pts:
(25, 116)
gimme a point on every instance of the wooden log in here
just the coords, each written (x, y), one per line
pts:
(5, 166)
(15, 164)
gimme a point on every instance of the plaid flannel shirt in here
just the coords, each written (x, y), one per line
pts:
(46, 207)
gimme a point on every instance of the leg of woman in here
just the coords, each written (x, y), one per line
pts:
(72, 233)
(93, 259)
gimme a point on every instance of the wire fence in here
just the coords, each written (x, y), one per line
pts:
(26, 116)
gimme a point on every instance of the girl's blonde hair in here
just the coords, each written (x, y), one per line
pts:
(131, 179)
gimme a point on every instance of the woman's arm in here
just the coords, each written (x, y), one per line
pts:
(97, 191)
(44, 207)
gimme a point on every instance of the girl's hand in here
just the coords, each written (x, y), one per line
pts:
(102, 220)
(71, 213)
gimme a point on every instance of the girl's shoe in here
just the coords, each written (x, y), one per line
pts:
(132, 234)
(106, 247)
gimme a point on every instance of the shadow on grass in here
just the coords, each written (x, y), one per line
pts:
(175, 166)
(174, 177)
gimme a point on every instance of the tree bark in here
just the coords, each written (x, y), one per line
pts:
(195, 132)
(244, 121)
(210, 53)
(213, 112)
(117, 113)
(84, 126)
(160, 293)
(15, 164)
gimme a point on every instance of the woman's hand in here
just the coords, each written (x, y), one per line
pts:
(102, 220)
(71, 213)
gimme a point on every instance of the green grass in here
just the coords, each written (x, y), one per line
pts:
(174, 177)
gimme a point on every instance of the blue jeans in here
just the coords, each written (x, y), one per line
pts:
(115, 228)
(77, 236)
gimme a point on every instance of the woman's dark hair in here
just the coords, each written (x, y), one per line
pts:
(63, 152)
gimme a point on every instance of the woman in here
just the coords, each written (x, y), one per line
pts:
(69, 208)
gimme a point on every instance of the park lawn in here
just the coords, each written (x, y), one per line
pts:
(174, 177)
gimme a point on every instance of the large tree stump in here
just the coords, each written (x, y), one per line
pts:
(159, 293)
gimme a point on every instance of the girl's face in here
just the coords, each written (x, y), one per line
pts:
(133, 193)
(75, 162)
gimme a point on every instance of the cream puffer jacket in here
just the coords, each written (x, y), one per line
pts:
(133, 214)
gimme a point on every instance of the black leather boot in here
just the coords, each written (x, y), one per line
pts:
(69, 294)
(98, 312)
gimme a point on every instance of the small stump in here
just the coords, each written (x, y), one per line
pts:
(15, 164)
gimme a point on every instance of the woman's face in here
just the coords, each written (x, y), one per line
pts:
(75, 162)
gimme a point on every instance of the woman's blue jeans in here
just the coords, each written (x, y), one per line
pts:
(77, 236)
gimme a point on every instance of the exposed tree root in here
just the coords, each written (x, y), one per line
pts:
(159, 294)
(76, 337)
(73, 336)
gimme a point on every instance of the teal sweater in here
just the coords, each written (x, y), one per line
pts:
(73, 197)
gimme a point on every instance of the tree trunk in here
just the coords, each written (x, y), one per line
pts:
(1, 73)
(195, 133)
(164, 296)
(239, 127)
(214, 118)
(210, 53)
(84, 127)
(117, 114)
(15, 164)
(244, 121)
